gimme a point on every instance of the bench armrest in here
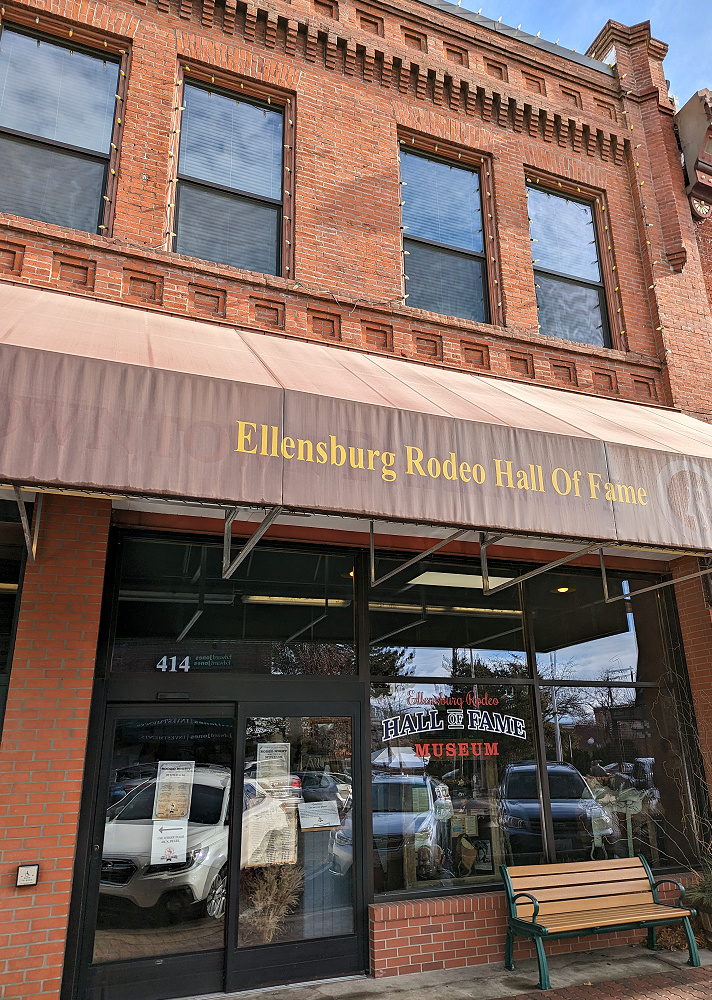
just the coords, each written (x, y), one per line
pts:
(534, 900)
(671, 881)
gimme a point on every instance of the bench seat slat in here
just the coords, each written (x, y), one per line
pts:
(562, 922)
(584, 905)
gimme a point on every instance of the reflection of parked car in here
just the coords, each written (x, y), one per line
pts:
(288, 786)
(126, 869)
(580, 822)
(410, 812)
(128, 778)
(200, 877)
(320, 786)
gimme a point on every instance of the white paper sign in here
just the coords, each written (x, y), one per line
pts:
(269, 835)
(174, 789)
(273, 766)
(169, 841)
(319, 815)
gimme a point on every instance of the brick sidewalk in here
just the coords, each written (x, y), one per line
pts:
(686, 984)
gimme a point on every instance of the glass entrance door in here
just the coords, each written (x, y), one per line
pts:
(295, 902)
(219, 863)
(160, 854)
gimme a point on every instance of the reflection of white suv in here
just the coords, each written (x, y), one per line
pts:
(126, 869)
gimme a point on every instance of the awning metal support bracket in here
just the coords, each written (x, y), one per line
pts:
(410, 562)
(30, 538)
(489, 591)
(228, 568)
(644, 590)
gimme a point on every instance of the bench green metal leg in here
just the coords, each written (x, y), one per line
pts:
(544, 983)
(694, 959)
(652, 940)
(509, 951)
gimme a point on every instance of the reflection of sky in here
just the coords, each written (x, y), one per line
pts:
(615, 657)
(564, 234)
(56, 93)
(442, 202)
(436, 661)
(232, 143)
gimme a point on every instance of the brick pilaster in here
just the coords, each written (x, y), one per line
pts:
(44, 739)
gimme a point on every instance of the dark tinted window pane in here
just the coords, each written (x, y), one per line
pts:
(227, 229)
(444, 282)
(50, 184)
(442, 203)
(564, 234)
(570, 311)
(56, 93)
(283, 611)
(232, 143)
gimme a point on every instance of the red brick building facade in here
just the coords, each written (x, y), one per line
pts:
(103, 327)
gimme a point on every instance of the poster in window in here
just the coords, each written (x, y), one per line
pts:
(273, 766)
(174, 789)
(269, 834)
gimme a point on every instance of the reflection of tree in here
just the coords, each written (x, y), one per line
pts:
(390, 661)
(468, 663)
(326, 658)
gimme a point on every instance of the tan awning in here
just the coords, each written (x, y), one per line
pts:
(118, 399)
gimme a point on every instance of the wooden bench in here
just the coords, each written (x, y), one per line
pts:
(589, 897)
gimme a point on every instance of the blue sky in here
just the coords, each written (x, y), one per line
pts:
(685, 26)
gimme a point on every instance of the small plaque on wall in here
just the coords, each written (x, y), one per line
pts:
(27, 875)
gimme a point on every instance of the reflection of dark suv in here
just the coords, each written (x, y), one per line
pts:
(580, 822)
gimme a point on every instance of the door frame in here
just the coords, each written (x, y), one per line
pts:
(114, 980)
(126, 696)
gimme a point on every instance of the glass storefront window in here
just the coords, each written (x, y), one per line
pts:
(12, 548)
(623, 748)
(579, 637)
(432, 620)
(454, 783)
(284, 611)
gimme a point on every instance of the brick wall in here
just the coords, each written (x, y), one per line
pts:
(44, 739)
(696, 626)
(704, 241)
(458, 931)
(355, 94)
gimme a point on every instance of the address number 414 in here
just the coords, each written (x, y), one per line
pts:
(171, 664)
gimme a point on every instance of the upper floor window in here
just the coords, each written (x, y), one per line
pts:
(570, 293)
(443, 237)
(57, 120)
(229, 198)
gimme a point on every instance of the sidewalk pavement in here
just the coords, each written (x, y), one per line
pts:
(627, 973)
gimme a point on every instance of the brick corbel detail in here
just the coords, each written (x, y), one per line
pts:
(271, 30)
(331, 50)
(250, 23)
(517, 115)
(455, 91)
(229, 17)
(290, 41)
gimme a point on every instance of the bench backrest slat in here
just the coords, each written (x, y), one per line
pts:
(549, 879)
(610, 891)
(574, 866)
